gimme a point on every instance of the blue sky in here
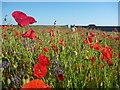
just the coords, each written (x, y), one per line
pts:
(65, 13)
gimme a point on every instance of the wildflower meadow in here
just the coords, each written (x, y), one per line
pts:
(58, 57)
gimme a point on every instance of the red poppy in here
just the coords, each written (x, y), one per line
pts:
(16, 33)
(5, 37)
(85, 41)
(5, 27)
(109, 48)
(6, 74)
(118, 55)
(109, 63)
(30, 34)
(43, 60)
(90, 38)
(60, 42)
(36, 83)
(82, 35)
(40, 70)
(93, 60)
(46, 50)
(22, 19)
(60, 77)
(103, 58)
(97, 46)
(83, 66)
(90, 44)
(98, 39)
(55, 48)
(2, 51)
(51, 40)
(53, 34)
(92, 35)
(117, 38)
(106, 52)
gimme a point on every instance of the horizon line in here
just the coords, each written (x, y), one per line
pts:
(63, 25)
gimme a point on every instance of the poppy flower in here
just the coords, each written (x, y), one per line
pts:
(106, 52)
(42, 59)
(93, 60)
(40, 70)
(22, 19)
(53, 34)
(83, 66)
(60, 42)
(109, 48)
(51, 40)
(109, 63)
(103, 58)
(60, 77)
(5, 37)
(118, 55)
(92, 35)
(5, 27)
(82, 35)
(85, 41)
(16, 33)
(30, 34)
(46, 50)
(90, 38)
(97, 46)
(99, 40)
(55, 48)
(117, 38)
(90, 44)
(36, 83)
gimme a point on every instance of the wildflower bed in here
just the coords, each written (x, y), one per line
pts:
(81, 63)
(56, 57)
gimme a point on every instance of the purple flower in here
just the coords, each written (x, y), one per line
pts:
(5, 64)
(22, 71)
(54, 55)
(19, 53)
(58, 63)
(32, 41)
(55, 67)
(61, 71)
(15, 80)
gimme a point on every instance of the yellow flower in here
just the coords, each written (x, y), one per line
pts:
(5, 57)
(40, 50)
(2, 55)
(87, 57)
(87, 51)
(27, 49)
